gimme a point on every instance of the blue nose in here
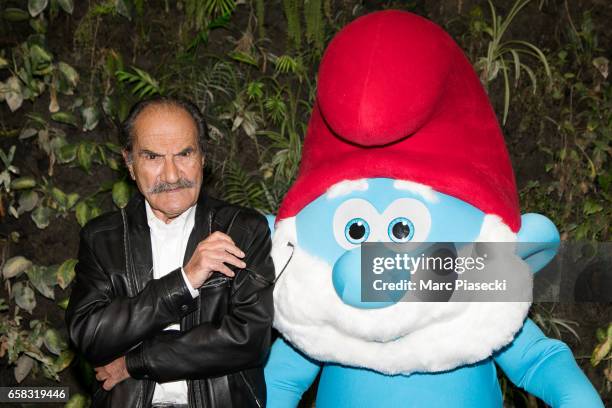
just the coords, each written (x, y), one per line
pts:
(346, 277)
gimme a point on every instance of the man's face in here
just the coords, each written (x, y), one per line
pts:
(166, 160)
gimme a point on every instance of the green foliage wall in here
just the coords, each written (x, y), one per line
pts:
(69, 71)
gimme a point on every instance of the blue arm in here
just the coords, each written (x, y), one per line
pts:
(546, 368)
(288, 375)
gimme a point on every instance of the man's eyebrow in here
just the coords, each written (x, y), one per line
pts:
(186, 150)
(147, 151)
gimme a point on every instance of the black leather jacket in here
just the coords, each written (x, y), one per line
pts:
(117, 308)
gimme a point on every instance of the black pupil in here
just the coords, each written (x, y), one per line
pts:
(401, 230)
(357, 230)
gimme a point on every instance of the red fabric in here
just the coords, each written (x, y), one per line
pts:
(397, 98)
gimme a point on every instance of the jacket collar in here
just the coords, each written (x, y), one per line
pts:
(139, 238)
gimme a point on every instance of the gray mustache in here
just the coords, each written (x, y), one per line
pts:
(162, 187)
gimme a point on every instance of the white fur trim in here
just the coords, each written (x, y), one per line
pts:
(423, 190)
(403, 338)
(346, 187)
(493, 229)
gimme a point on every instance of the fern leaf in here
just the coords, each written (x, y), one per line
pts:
(294, 31)
(314, 23)
(260, 13)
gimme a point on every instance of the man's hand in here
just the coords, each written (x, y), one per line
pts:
(211, 255)
(112, 373)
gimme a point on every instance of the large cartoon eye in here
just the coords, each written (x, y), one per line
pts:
(407, 219)
(357, 231)
(355, 222)
(401, 229)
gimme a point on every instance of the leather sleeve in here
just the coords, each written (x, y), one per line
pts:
(104, 326)
(240, 341)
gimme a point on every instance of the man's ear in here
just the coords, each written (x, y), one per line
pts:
(538, 241)
(128, 162)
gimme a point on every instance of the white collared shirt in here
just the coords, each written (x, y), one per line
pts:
(168, 244)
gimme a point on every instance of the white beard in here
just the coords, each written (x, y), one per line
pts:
(403, 338)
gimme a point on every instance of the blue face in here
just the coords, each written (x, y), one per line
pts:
(328, 227)
(333, 227)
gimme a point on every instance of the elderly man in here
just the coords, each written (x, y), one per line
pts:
(173, 296)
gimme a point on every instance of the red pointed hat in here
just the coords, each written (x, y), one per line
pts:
(397, 98)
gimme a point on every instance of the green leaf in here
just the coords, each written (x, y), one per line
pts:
(591, 207)
(121, 193)
(85, 153)
(66, 5)
(91, 116)
(286, 64)
(23, 366)
(65, 117)
(66, 273)
(13, 93)
(71, 75)
(27, 132)
(255, 90)
(77, 401)
(59, 196)
(39, 55)
(63, 360)
(15, 266)
(54, 342)
(113, 164)
(63, 304)
(113, 147)
(601, 351)
(113, 63)
(71, 200)
(123, 9)
(602, 64)
(38, 120)
(82, 213)
(243, 57)
(15, 15)
(23, 183)
(41, 217)
(219, 7)
(24, 297)
(67, 153)
(27, 201)
(144, 83)
(35, 7)
(43, 278)
(315, 30)
(600, 334)
(39, 25)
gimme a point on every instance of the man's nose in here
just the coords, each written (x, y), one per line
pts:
(171, 172)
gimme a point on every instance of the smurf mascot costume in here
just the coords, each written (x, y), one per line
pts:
(403, 145)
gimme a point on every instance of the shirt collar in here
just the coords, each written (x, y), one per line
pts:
(178, 222)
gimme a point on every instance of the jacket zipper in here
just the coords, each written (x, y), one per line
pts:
(213, 283)
(248, 384)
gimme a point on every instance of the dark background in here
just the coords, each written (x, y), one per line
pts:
(253, 75)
